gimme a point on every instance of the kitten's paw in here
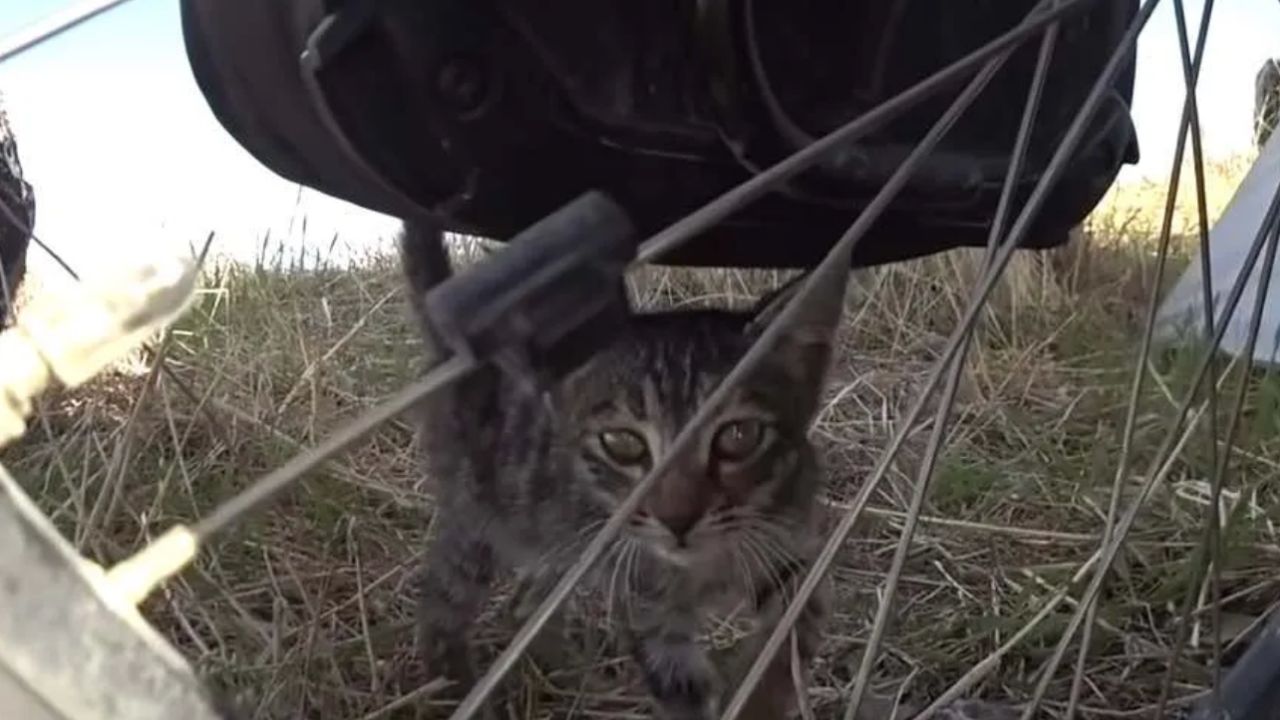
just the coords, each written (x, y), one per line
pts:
(446, 656)
(708, 711)
(450, 660)
(687, 697)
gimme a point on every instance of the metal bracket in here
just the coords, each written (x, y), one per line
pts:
(552, 297)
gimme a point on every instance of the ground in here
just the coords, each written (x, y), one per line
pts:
(305, 611)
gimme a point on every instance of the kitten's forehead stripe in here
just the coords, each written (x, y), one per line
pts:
(606, 407)
(689, 373)
(632, 398)
(652, 396)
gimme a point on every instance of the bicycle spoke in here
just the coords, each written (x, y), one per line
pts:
(1062, 595)
(1214, 555)
(11, 217)
(680, 232)
(1048, 180)
(1206, 282)
(54, 26)
(938, 431)
(1210, 556)
(1161, 464)
(1144, 353)
(989, 663)
(266, 487)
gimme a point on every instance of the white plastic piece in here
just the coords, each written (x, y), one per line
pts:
(71, 335)
(131, 580)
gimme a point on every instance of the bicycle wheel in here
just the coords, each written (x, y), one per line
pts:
(1077, 603)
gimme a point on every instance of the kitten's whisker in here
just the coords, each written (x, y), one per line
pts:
(574, 543)
(781, 555)
(782, 522)
(769, 531)
(788, 564)
(629, 575)
(751, 555)
(719, 522)
(762, 554)
(617, 551)
(749, 529)
(744, 568)
(781, 548)
(781, 539)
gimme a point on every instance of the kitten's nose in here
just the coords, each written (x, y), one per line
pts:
(679, 523)
(679, 501)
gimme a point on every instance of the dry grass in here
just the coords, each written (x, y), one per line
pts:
(307, 611)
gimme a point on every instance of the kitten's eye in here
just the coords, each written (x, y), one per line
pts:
(624, 446)
(738, 439)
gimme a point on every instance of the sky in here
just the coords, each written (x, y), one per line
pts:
(127, 159)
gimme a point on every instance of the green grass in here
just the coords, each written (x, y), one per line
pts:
(306, 610)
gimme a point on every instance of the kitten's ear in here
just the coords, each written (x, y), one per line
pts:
(806, 344)
(770, 303)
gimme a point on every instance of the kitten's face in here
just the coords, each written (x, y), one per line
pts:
(748, 478)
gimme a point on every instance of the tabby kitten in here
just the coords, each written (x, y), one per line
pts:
(522, 482)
